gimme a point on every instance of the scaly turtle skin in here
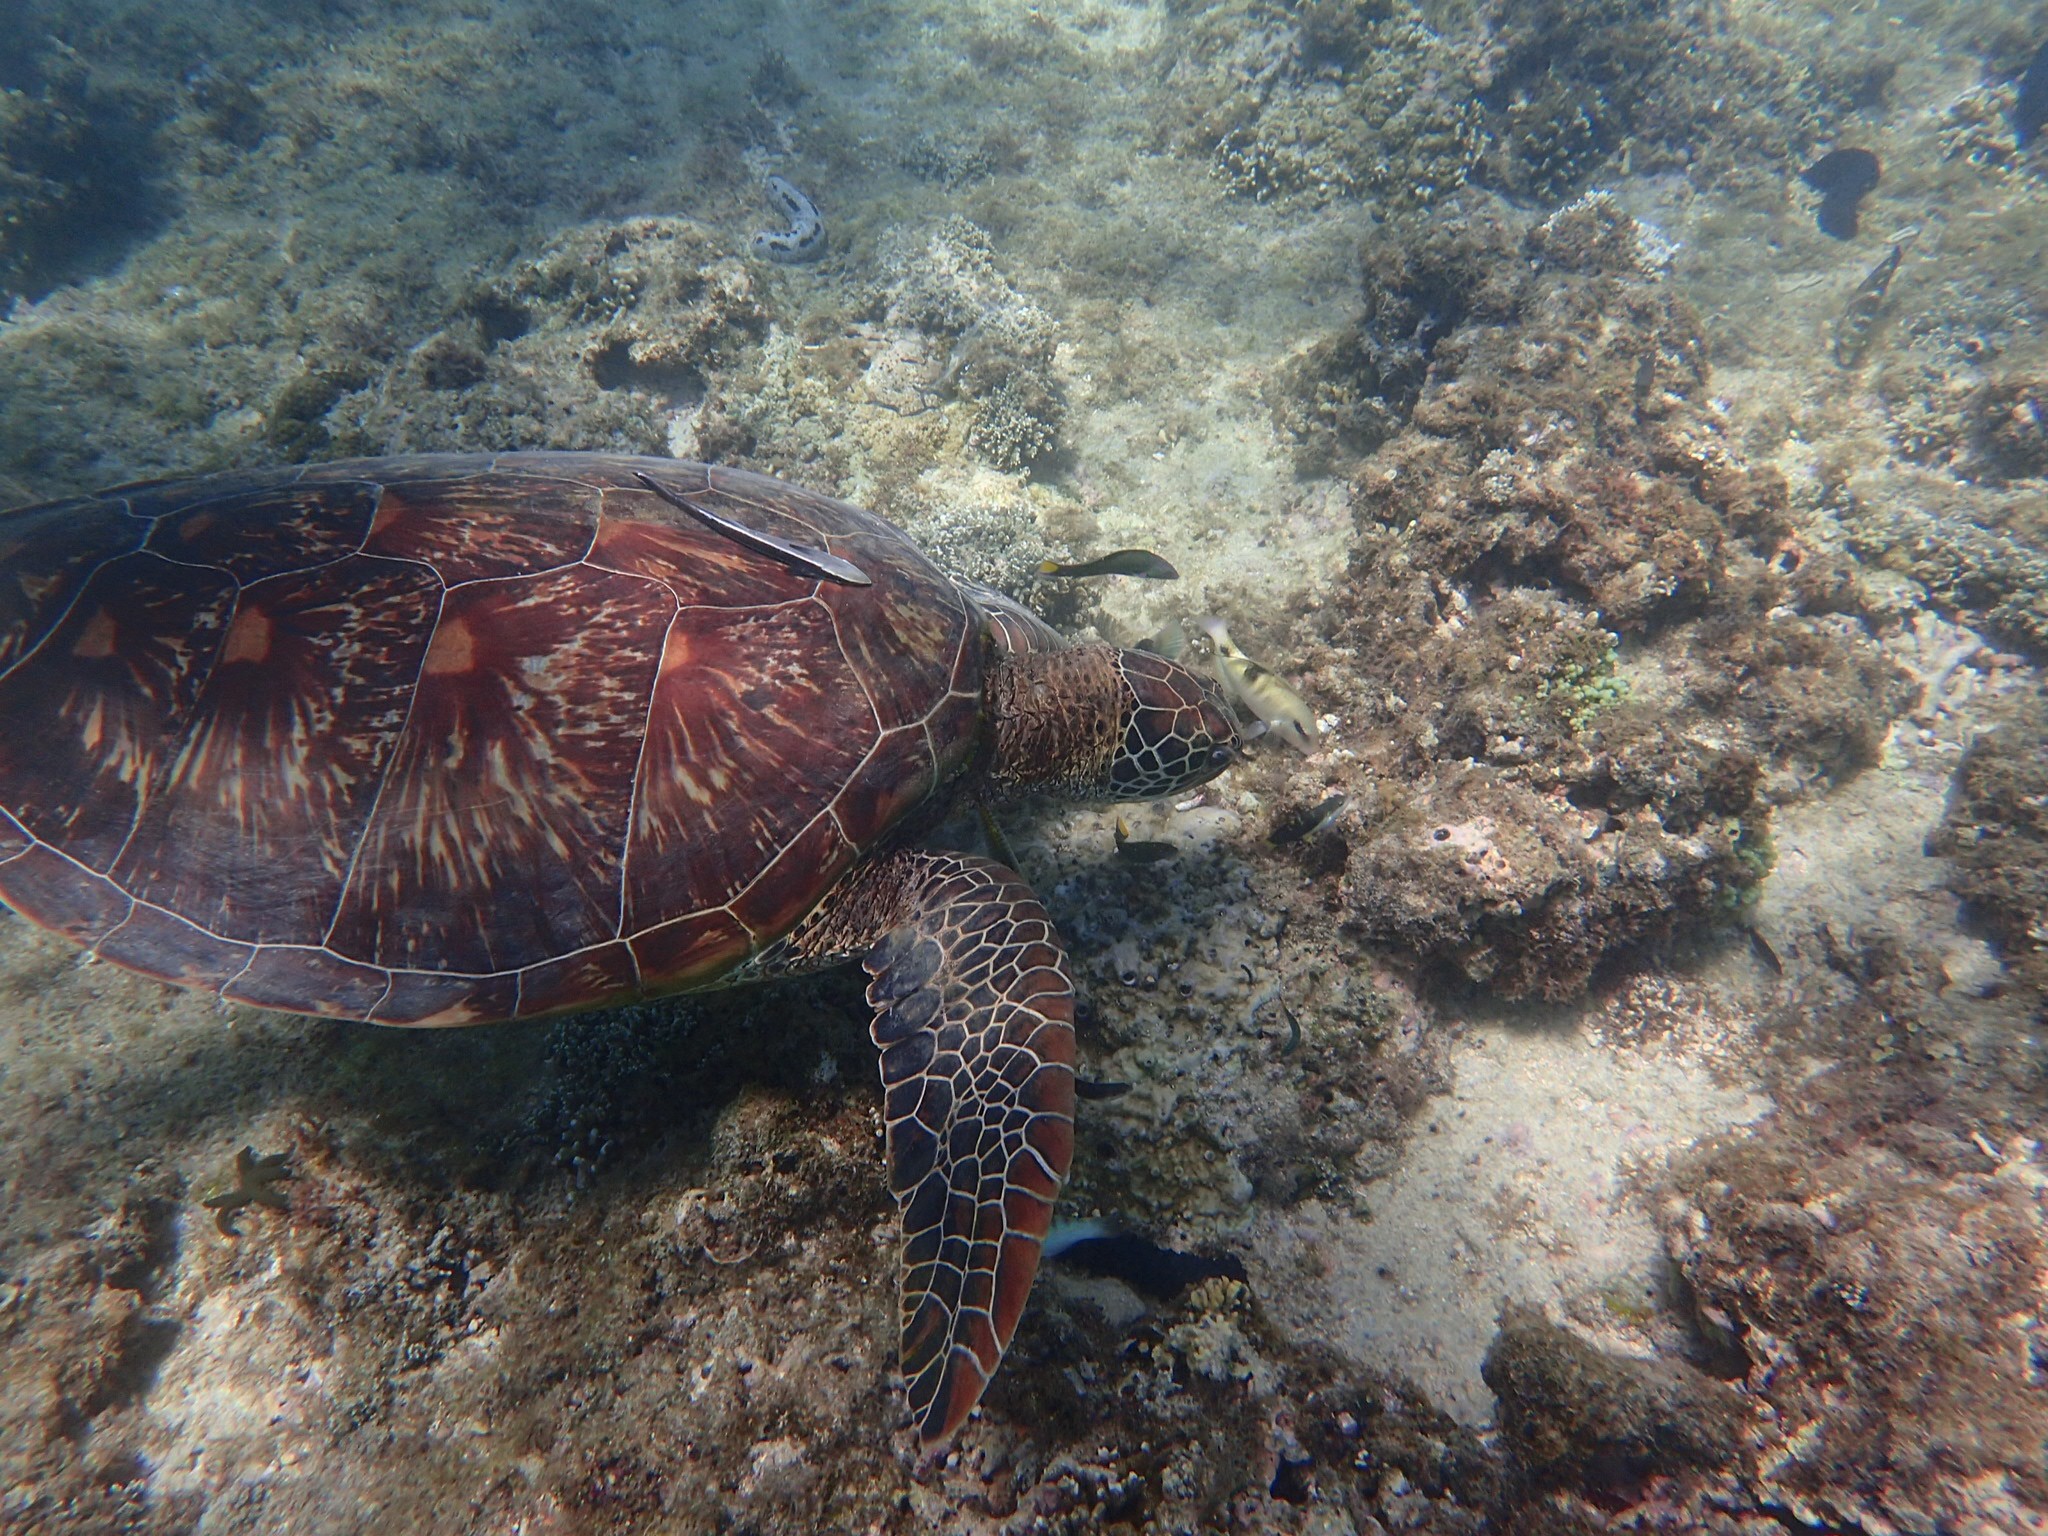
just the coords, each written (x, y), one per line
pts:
(445, 740)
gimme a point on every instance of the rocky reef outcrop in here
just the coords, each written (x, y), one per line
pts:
(1585, 640)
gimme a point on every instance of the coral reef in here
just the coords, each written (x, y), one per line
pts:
(1573, 1413)
(987, 528)
(1876, 1259)
(604, 1078)
(1576, 642)
(1095, 272)
(1995, 835)
(1189, 986)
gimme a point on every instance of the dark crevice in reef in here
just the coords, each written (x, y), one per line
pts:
(80, 177)
(614, 366)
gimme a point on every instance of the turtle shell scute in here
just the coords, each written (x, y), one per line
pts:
(458, 737)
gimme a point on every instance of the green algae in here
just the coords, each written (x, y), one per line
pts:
(1581, 690)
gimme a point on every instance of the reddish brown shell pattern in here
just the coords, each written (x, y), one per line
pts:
(437, 740)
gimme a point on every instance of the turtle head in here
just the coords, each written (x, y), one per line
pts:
(1093, 722)
(1176, 733)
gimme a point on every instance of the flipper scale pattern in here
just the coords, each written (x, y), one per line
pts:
(974, 1015)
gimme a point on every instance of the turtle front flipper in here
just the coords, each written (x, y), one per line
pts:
(974, 1016)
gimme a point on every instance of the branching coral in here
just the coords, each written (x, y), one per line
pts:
(993, 345)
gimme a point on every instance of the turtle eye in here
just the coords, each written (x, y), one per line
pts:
(1221, 757)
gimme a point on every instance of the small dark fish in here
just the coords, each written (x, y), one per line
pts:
(2031, 110)
(1299, 826)
(813, 562)
(1841, 177)
(1293, 1031)
(1852, 332)
(1140, 852)
(1161, 1273)
(1761, 947)
(1842, 173)
(1099, 1088)
(1118, 562)
(1836, 217)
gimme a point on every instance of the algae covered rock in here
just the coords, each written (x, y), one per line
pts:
(78, 179)
(2012, 427)
(1527, 893)
(1995, 835)
(1343, 394)
(1571, 404)
(1570, 626)
(1574, 1412)
(1881, 1270)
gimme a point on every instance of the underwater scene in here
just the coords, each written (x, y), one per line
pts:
(1196, 765)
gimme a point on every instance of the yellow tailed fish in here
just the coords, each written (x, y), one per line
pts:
(1118, 562)
(1259, 692)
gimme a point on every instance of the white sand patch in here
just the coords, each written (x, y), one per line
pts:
(1518, 1193)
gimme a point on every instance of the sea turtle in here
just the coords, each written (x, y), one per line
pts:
(451, 739)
